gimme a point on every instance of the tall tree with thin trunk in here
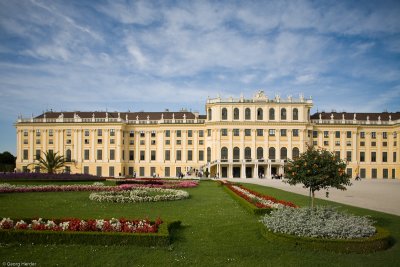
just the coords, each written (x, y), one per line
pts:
(51, 162)
(317, 169)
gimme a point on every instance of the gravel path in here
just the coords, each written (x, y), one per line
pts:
(380, 195)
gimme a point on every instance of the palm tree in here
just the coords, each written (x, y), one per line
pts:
(51, 162)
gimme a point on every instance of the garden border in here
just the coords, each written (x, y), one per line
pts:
(380, 241)
(161, 238)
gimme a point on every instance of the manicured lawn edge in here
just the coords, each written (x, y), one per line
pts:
(380, 241)
(161, 238)
(248, 206)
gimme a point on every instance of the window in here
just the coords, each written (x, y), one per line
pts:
(385, 173)
(236, 154)
(373, 156)
(373, 143)
(38, 141)
(271, 132)
(112, 141)
(271, 114)
(208, 132)
(112, 154)
(348, 156)
(111, 171)
(131, 133)
(235, 132)
(337, 154)
(295, 132)
(224, 132)
(98, 170)
(247, 132)
(51, 132)
(153, 155)
(68, 141)
(99, 154)
(284, 153)
(224, 114)
(167, 172)
(86, 169)
(131, 155)
(87, 133)
(208, 154)
(373, 135)
(283, 114)
(295, 114)
(86, 154)
(348, 134)
(283, 132)
(167, 155)
(349, 172)
(201, 155)
(348, 143)
(141, 171)
(271, 153)
(178, 142)
(362, 173)
(86, 141)
(153, 134)
(167, 133)
(337, 143)
(123, 154)
(179, 155)
(209, 114)
(142, 134)
(384, 156)
(190, 142)
(315, 143)
(50, 141)
(25, 132)
(384, 135)
(315, 134)
(362, 156)
(326, 134)
(247, 114)
(224, 153)
(142, 155)
(362, 143)
(178, 133)
(178, 171)
(25, 141)
(201, 133)
(337, 134)
(259, 114)
(167, 142)
(260, 153)
(112, 132)
(384, 143)
(394, 156)
(247, 153)
(37, 154)
(393, 173)
(374, 173)
(190, 133)
(189, 155)
(201, 142)
(37, 132)
(153, 142)
(326, 143)
(235, 113)
(260, 132)
(99, 132)
(99, 141)
(362, 134)
(68, 132)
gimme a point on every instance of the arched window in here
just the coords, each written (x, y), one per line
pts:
(284, 153)
(259, 114)
(68, 155)
(209, 114)
(271, 114)
(260, 153)
(295, 153)
(224, 154)
(236, 154)
(295, 114)
(283, 114)
(235, 113)
(271, 153)
(208, 154)
(247, 114)
(247, 153)
(224, 115)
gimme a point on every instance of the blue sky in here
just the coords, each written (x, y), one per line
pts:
(151, 55)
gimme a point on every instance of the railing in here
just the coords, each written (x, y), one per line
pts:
(363, 122)
(251, 161)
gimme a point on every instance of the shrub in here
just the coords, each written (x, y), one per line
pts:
(319, 222)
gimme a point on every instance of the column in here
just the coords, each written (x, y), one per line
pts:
(118, 151)
(31, 142)
(243, 170)
(255, 171)
(93, 155)
(79, 145)
(269, 171)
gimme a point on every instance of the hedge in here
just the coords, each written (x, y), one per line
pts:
(247, 205)
(161, 238)
(380, 241)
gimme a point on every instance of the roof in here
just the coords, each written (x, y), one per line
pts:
(358, 116)
(131, 115)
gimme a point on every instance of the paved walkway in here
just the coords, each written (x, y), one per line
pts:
(380, 195)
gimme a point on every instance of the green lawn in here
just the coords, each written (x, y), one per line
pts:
(216, 231)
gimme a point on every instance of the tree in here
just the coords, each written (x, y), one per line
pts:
(317, 169)
(7, 161)
(51, 162)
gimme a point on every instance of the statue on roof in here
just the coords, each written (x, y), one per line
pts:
(260, 95)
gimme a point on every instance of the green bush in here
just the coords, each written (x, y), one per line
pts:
(161, 238)
(380, 241)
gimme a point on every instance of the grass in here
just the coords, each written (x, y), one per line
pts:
(215, 231)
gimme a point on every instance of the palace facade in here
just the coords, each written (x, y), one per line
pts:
(243, 138)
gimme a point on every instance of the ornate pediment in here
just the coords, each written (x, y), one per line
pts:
(260, 96)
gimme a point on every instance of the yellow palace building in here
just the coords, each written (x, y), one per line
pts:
(238, 137)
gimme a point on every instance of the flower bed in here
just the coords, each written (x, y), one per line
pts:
(99, 232)
(253, 201)
(140, 195)
(157, 183)
(7, 188)
(25, 176)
